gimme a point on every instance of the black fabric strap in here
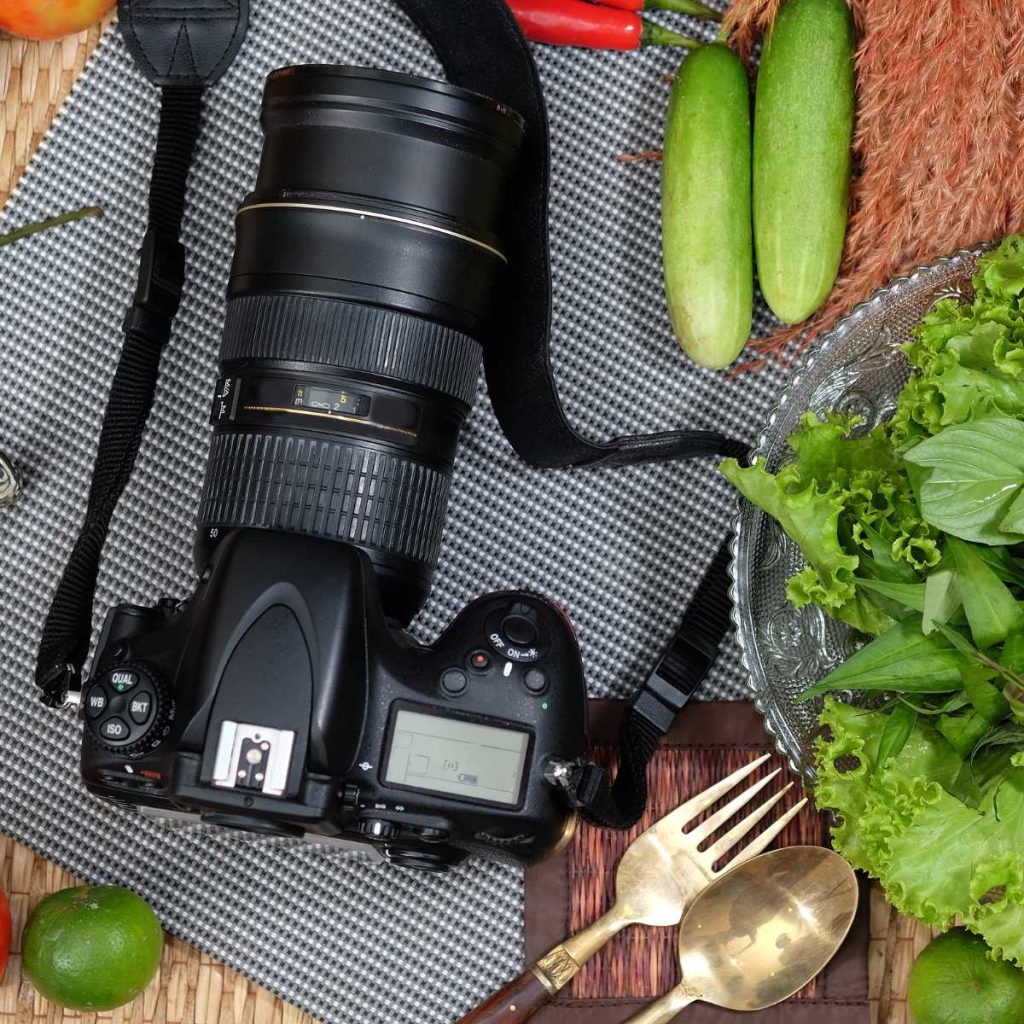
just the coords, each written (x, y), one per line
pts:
(184, 48)
(494, 58)
(147, 326)
(674, 680)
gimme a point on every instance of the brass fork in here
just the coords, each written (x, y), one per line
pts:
(659, 875)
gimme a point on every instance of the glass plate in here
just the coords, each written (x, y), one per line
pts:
(856, 367)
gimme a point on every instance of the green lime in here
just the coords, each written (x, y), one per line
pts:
(953, 981)
(92, 948)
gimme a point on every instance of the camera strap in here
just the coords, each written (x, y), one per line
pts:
(184, 48)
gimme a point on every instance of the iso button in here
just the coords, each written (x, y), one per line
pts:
(114, 730)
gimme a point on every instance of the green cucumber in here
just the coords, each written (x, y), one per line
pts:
(706, 229)
(803, 126)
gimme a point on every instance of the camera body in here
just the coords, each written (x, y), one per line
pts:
(280, 700)
(284, 696)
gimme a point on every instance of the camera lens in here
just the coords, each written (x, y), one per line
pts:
(365, 263)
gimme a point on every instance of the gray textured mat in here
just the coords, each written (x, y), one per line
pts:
(347, 939)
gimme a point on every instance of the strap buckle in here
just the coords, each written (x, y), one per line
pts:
(673, 681)
(61, 686)
(159, 289)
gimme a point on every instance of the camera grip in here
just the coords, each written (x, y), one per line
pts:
(519, 1000)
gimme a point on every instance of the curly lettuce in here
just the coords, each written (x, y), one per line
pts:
(848, 502)
(913, 532)
(967, 358)
(943, 848)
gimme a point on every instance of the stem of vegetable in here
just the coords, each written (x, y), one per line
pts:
(654, 34)
(692, 7)
(51, 222)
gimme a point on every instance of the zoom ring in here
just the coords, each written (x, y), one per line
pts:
(352, 336)
(327, 488)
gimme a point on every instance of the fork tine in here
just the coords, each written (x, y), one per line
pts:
(703, 800)
(711, 825)
(722, 845)
(765, 839)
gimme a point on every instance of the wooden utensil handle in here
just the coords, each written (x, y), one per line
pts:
(519, 1000)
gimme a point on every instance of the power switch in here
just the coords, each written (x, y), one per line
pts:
(519, 631)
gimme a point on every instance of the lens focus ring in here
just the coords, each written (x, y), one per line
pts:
(329, 488)
(349, 335)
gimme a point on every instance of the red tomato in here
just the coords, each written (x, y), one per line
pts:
(50, 19)
(5, 932)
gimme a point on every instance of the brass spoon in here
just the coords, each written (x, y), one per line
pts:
(761, 932)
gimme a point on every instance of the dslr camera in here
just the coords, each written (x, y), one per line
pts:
(285, 696)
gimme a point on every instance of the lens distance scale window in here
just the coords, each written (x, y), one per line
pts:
(334, 406)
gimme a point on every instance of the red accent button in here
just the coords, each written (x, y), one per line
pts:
(480, 660)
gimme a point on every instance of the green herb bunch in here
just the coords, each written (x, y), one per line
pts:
(913, 533)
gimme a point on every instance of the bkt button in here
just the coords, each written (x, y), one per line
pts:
(140, 707)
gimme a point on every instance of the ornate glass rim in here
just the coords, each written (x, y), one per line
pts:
(748, 516)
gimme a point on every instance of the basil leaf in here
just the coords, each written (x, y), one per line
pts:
(976, 474)
(902, 659)
(881, 565)
(941, 599)
(908, 595)
(1012, 654)
(1013, 521)
(992, 611)
(1002, 563)
(897, 731)
(986, 698)
(962, 732)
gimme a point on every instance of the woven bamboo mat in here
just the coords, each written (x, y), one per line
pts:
(189, 989)
(35, 79)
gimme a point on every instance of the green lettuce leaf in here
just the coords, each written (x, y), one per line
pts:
(937, 857)
(811, 518)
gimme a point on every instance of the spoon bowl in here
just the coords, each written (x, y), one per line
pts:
(761, 932)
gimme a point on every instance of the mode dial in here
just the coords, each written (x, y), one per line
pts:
(128, 710)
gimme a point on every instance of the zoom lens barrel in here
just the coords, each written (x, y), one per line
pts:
(365, 263)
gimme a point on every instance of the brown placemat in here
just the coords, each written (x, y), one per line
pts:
(566, 893)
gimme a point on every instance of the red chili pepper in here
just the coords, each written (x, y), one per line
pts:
(576, 23)
(694, 7)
